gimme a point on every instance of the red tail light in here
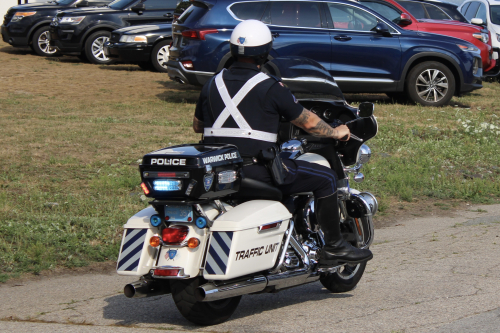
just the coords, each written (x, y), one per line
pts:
(198, 34)
(166, 272)
(175, 234)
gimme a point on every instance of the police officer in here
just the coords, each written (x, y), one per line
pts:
(242, 106)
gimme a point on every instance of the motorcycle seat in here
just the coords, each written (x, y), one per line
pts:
(251, 189)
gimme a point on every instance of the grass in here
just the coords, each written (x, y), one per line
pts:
(69, 170)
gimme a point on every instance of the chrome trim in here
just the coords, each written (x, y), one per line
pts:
(363, 79)
(273, 228)
(300, 250)
(211, 292)
(368, 216)
(279, 264)
(179, 275)
(310, 79)
(288, 279)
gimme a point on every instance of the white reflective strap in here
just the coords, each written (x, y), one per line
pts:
(241, 133)
(232, 103)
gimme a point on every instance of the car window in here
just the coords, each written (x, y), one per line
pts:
(435, 13)
(471, 11)
(481, 13)
(160, 4)
(464, 8)
(193, 13)
(248, 10)
(295, 14)
(386, 11)
(415, 9)
(495, 14)
(351, 18)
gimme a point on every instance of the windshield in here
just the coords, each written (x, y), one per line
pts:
(495, 14)
(121, 4)
(306, 78)
(64, 2)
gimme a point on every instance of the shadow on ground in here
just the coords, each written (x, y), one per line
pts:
(162, 310)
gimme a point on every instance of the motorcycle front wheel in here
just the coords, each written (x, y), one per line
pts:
(344, 279)
(201, 313)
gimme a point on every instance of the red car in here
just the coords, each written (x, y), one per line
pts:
(424, 16)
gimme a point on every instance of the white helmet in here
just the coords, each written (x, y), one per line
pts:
(251, 39)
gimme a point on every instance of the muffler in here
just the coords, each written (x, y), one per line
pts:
(212, 292)
(146, 288)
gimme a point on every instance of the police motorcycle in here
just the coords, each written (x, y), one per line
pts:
(210, 235)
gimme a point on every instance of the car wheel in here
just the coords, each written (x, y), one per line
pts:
(94, 48)
(430, 83)
(40, 43)
(159, 56)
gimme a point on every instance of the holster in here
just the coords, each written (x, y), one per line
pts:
(274, 164)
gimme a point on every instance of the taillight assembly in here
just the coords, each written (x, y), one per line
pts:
(198, 34)
(174, 235)
(166, 272)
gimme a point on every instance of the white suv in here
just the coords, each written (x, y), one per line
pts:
(485, 12)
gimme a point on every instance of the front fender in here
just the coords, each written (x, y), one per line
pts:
(436, 53)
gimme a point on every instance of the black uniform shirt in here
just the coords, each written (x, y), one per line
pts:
(262, 108)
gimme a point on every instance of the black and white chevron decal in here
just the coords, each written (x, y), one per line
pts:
(131, 250)
(218, 253)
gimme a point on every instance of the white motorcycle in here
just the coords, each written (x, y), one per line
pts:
(210, 236)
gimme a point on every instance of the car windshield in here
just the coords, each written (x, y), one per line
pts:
(305, 78)
(495, 14)
(64, 2)
(121, 4)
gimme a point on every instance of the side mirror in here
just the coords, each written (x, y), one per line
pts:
(405, 20)
(365, 109)
(382, 29)
(139, 8)
(83, 3)
(477, 21)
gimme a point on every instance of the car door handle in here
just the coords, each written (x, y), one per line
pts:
(275, 34)
(168, 15)
(342, 38)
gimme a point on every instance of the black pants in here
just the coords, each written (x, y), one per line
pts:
(301, 177)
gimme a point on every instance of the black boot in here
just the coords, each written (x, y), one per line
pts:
(336, 250)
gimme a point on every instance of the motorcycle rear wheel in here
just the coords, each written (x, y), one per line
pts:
(201, 313)
(345, 279)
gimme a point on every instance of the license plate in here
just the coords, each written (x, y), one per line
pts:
(178, 213)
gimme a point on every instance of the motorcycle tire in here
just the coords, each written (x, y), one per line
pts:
(201, 313)
(345, 279)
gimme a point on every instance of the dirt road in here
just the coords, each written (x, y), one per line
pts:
(428, 275)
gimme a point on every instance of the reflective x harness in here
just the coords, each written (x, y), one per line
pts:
(231, 109)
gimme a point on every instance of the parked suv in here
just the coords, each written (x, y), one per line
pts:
(420, 16)
(487, 13)
(83, 32)
(363, 51)
(28, 24)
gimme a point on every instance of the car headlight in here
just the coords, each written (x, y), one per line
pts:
(133, 39)
(481, 36)
(71, 20)
(469, 48)
(20, 15)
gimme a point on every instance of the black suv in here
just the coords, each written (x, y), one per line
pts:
(83, 32)
(28, 24)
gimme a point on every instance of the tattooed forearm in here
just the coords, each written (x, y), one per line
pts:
(323, 130)
(312, 124)
(197, 125)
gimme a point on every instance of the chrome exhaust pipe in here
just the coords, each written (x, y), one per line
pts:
(210, 292)
(146, 288)
(181, 81)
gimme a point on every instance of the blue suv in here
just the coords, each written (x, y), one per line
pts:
(363, 50)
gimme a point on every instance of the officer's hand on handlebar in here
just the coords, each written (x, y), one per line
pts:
(343, 133)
